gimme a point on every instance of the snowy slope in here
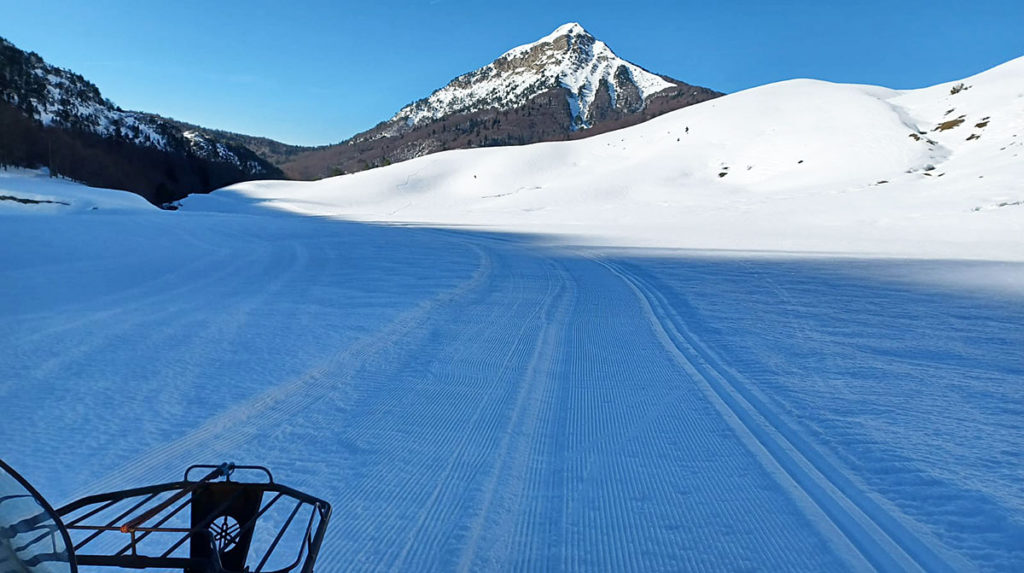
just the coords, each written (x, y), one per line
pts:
(800, 165)
(27, 191)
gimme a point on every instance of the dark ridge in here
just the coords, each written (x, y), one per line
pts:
(545, 117)
(159, 176)
(72, 144)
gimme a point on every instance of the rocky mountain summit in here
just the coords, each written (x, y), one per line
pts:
(568, 58)
(566, 85)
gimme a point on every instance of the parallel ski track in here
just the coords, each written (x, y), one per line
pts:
(485, 383)
(513, 460)
(520, 469)
(252, 418)
(851, 518)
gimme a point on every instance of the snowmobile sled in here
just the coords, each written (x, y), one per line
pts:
(206, 523)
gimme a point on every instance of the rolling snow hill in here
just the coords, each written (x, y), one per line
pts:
(800, 165)
(34, 192)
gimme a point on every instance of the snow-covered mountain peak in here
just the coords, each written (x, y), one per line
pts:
(569, 58)
(569, 28)
(569, 31)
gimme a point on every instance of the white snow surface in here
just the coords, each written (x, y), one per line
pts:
(49, 195)
(482, 401)
(569, 57)
(490, 401)
(798, 166)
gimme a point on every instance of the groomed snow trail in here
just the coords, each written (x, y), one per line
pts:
(881, 541)
(477, 402)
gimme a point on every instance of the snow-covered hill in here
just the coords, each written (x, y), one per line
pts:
(800, 165)
(33, 191)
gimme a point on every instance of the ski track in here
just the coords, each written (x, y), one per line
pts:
(465, 402)
(912, 392)
(880, 539)
(261, 414)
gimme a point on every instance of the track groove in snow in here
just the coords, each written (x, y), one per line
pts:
(248, 420)
(881, 540)
(514, 460)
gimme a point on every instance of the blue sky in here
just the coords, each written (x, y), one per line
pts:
(317, 72)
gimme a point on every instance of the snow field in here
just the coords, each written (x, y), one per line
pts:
(473, 401)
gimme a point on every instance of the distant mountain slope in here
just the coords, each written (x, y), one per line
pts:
(801, 165)
(54, 117)
(566, 85)
(270, 150)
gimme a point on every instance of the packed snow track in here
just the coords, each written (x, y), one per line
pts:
(481, 402)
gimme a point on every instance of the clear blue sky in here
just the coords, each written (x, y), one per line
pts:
(317, 72)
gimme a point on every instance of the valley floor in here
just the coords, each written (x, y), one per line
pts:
(479, 402)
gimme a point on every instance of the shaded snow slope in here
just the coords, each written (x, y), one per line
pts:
(800, 165)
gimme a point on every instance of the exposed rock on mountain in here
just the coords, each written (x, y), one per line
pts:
(566, 85)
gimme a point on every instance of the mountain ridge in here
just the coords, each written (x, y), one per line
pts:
(54, 117)
(566, 85)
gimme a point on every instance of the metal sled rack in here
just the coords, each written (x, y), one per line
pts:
(206, 523)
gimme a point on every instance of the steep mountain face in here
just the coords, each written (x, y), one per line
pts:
(53, 117)
(568, 58)
(566, 85)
